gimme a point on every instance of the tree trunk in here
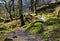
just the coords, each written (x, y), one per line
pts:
(10, 15)
(21, 12)
(9, 11)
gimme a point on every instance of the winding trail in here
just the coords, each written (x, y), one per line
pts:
(21, 35)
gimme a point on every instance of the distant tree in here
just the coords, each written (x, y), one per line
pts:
(36, 6)
(21, 12)
(8, 7)
(13, 4)
(32, 5)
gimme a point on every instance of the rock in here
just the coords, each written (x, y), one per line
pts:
(14, 36)
(8, 39)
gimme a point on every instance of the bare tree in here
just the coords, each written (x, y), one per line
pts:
(8, 7)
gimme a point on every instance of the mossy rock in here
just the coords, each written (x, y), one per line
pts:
(35, 27)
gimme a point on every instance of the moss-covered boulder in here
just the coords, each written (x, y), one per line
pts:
(34, 27)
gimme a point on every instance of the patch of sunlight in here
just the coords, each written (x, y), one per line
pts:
(41, 18)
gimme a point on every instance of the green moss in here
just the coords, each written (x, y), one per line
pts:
(45, 35)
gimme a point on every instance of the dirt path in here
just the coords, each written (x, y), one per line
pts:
(21, 35)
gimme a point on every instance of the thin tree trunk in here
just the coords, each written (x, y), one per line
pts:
(9, 10)
(35, 6)
(10, 15)
(32, 5)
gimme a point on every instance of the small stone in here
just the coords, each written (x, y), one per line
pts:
(14, 36)
(8, 39)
